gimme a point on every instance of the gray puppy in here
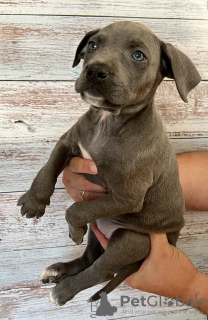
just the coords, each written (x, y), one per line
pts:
(123, 65)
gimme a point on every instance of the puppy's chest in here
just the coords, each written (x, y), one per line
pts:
(92, 146)
(97, 143)
(95, 140)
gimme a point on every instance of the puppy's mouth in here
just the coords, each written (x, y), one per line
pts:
(93, 97)
(98, 101)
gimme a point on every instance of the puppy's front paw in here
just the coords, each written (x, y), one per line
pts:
(30, 206)
(77, 233)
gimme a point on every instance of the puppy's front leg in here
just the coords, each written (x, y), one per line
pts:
(35, 200)
(81, 213)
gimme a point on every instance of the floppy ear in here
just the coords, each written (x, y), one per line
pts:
(80, 52)
(176, 65)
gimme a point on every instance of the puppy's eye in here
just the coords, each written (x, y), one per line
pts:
(138, 56)
(92, 45)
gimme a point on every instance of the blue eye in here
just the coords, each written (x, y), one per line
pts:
(92, 45)
(138, 56)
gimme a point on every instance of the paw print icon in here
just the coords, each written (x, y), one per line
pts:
(168, 301)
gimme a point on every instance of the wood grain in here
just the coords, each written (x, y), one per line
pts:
(48, 109)
(33, 303)
(27, 247)
(27, 252)
(38, 104)
(43, 47)
(20, 162)
(26, 266)
(51, 230)
(195, 9)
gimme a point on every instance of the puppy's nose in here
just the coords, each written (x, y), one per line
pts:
(97, 72)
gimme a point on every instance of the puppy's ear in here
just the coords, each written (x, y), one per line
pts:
(80, 50)
(176, 65)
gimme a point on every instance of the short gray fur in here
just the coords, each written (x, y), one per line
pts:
(123, 65)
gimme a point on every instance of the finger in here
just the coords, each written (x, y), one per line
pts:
(134, 278)
(100, 236)
(81, 165)
(80, 182)
(88, 196)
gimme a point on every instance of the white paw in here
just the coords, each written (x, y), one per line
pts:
(51, 298)
(48, 275)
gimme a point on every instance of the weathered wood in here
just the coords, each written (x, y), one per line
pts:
(26, 266)
(187, 145)
(48, 109)
(22, 268)
(27, 247)
(20, 162)
(51, 230)
(33, 115)
(43, 47)
(31, 250)
(195, 9)
(33, 303)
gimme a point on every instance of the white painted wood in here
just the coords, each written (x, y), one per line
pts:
(38, 41)
(48, 109)
(51, 230)
(33, 303)
(28, 247)
(43, 47)
(18, 233)
(187, 145)
(20, 162)
(26, 265)
(194, 9)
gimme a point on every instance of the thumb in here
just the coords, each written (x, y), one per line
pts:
(158, 241)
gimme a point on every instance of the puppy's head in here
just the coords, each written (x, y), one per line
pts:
(124, 64)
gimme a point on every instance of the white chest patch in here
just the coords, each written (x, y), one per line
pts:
(106, 226)
(84, 152)
(105, 115)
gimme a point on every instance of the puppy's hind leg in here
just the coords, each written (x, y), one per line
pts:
(125, 248)
(56, 272)
(118, 279)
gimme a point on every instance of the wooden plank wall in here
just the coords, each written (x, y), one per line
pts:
(38, 104)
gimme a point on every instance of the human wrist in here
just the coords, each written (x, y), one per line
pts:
(197, 291)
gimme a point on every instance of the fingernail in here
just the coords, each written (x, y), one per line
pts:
(93, 168)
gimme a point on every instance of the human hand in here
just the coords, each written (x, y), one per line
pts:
(167, 271)
(74, 180)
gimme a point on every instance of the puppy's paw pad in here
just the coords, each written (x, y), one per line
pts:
(30, 206)
(48, 275)
(54, 274)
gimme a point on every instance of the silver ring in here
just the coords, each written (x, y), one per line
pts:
(81, 195)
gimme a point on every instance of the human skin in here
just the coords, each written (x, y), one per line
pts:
(176, 274)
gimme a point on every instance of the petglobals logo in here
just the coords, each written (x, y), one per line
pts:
(102, 307)
(142, 305)
(155, 301)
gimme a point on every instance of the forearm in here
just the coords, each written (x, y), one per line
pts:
(198, 292)
(193, 172)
